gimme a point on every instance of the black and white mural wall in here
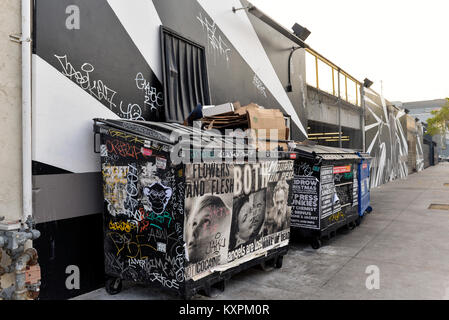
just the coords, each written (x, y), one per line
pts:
(385, 138)
(102, 59)
(419, 147)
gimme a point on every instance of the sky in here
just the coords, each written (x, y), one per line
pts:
(400, 45)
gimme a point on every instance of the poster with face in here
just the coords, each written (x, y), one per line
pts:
(208, 210)
(248, 218)
(262, 208)
(235, 212)
(278, 211)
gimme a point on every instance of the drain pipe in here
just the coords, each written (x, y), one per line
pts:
(26, 111)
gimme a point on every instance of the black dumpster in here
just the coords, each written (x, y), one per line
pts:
(182, 212)
(324, 191)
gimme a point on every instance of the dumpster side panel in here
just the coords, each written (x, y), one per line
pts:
(325, 195)
(144, 211)
(364, 183)
(306, 193)
(243, 213)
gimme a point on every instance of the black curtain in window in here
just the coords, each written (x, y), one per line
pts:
(185, 75)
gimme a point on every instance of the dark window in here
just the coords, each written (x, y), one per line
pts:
(185, 75)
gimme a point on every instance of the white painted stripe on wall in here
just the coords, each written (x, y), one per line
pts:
(62, 121)
(142, 22)
(240, 32)
(370, 148)
(370, 101)
(371, 126)
(379, 120)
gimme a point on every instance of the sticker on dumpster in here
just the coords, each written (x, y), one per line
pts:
(342, 169)
(158, 196)
(327, 175)
(355, 189)
(161, 163)
(103, 150)
(327, 191)
(146, 152)
(365, 165)
(162, 247)
(305, 202)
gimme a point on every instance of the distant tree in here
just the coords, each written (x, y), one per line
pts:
(439, 123)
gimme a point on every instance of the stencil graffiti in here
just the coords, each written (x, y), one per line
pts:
(158, 196)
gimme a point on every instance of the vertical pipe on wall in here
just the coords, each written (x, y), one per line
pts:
(339, 111)
(26, 110)
(362, 117)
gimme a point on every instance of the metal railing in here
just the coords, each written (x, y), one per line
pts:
(327, 76)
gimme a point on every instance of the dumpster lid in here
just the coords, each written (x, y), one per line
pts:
(172, 133)
(325, 152)
(364, 155)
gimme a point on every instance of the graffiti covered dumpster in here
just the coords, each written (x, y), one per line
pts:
(182, 212)
(324, 192)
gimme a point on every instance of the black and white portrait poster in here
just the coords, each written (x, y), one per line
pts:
(262, 210)
(208, 213)
(234, 213)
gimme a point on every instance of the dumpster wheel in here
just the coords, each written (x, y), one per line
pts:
(279, 260)
(315, 243)
(113, 285)
(268, 265)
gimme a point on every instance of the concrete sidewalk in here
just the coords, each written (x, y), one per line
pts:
(403, 238)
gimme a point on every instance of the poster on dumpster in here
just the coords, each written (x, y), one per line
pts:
(262, 209)
(305, 202)
(355, 189)
(235, 212)
(208, 213)
(327, 190)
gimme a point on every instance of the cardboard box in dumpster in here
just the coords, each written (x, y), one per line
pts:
(266, 122)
